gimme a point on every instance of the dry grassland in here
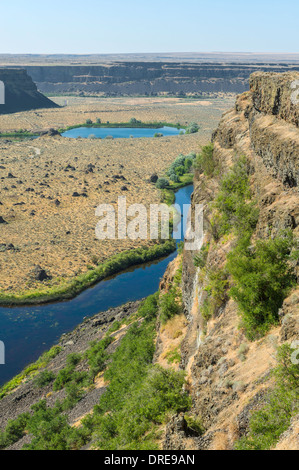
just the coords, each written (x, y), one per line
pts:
(50, 227)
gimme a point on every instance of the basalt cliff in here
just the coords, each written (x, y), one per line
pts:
(229, 376)
(146, 78)
(21, 93)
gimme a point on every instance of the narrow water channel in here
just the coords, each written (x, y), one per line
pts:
(28, 331)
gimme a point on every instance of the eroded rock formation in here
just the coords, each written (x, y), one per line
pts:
(21, 93)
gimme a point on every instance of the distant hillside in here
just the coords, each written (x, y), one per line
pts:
(21, 93)
(149, 78)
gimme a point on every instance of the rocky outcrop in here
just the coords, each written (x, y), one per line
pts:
(265, 124)
(21, 93)
(276, 95)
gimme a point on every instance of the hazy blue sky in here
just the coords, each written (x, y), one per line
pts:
(119, 26)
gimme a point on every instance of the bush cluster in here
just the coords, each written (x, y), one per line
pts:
(192, 128)
(205, 162)
(268, 424)
(181, 166)
(237, 211)
(216, 290)
(137, 401)
(263, 277)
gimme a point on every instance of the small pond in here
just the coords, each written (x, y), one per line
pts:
(120, 132)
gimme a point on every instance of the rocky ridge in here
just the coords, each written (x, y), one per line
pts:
(228, 376)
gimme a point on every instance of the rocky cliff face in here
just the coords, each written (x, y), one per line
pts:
(21, 93)
(228, 375)
(148, 77)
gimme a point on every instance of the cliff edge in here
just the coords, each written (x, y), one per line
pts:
(248, 183)
(21, 93)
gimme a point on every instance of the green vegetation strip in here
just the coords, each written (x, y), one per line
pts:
(112, 266)
(19, 134)
(30, 371)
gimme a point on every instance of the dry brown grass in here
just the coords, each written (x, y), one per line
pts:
(206, 113)
(170, 339)
(61, 238)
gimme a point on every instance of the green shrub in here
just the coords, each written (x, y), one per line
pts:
(14, 431)
(200, 259)
(173, 356)
(69, 374)
(134, 121)
(194, 424)
(192, 128)
(262, 278)
(74, 394)
(162, 183)
(205, 162)
(51, 431)
(268, 424)
(97, 356)
(180, 170)
(207, 310)
(181, 165)
(43, 361)
(115, 327)
(233, 201)
(44, 378)
(73, 359)
(149, 308)
(217, 292)
(174, 178)
(132, 426)
(169, 305)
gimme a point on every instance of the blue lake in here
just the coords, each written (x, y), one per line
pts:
(29, 331)
(119, 132)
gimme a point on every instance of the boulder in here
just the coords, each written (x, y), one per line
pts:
(154, 178)
(39, 274)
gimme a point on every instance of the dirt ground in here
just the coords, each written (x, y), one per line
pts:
(50, 187)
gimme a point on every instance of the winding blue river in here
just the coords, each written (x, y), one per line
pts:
(28, 331)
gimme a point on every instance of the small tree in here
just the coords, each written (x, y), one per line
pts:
(162, 183)
(192, 128)
(134, 121)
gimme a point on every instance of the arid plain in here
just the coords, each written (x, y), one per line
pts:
(50, 187)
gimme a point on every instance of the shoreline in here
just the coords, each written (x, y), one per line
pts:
(112, 266)
(124, 125)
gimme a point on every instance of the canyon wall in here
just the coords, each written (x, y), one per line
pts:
(21, 93)
(131, 78)
(229, 376)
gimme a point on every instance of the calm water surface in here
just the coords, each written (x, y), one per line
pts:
(119, 133)
(29, 331)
